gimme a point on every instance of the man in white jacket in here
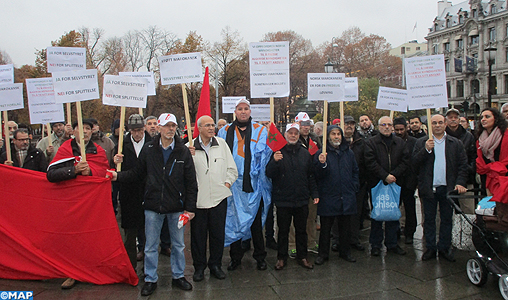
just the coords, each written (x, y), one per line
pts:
(215, 171)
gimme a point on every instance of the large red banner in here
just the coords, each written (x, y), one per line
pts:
(58, 230)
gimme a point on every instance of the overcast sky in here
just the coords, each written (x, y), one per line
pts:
(28, 25)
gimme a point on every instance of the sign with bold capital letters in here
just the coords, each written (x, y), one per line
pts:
(228, 104)
(124, 91)
(326, 86)
(147, 75)
(269, 69)
(61, 59)
(260, 112)
(392, 99)
(75, 86)
(11, 96)
(41, 101)
(350, 89)
(6, 73)
(181, 68)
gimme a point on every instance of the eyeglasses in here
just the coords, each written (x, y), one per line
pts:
(208, 125)
(386, 124)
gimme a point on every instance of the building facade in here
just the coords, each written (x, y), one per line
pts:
(409, 49)
(469, 34)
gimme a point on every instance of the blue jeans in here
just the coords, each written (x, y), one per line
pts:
(153, 226)
(429, 226)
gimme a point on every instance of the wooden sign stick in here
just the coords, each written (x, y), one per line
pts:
(341, 115)
(187, 114)
(141, 112)
(120, 136)
(81, 135)
(1, 127)
(272, 109)
(7, 138)
(325, 122)
(429, 124)
(69, 113)
(50, 138)
(391, 114)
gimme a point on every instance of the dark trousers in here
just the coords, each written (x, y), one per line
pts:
(269, 231)
(115, 190)
(408, 198)
(389, 234)
(299, 217)
(236, 251)
(208, 224)
(356, 220)
(343, 223)
(130, 244)
(429, 225)
(165, 238)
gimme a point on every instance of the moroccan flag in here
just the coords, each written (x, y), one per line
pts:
(204, 103)
(59, 230)
(313, 148)
(275, 140)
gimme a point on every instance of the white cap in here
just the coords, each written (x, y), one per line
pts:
(293, 125)
(242, 101)
(165, 119)
(302, 116)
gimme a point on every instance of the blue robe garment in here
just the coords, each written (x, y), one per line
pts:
(242, 207)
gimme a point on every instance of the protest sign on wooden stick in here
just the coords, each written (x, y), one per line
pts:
(429, 124)
(325, 122)
(81, 134)
(69, 113)
(120, 136)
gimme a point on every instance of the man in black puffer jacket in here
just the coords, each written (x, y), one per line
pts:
(292, 174)
(171, 189)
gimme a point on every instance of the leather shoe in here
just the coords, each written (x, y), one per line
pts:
(320, 260)
(305, 263)
(234, 264)
(348, 257)
(280, 264)
(409, 240)
(182, 284)
(397, 250)
(429, 254)
(199, 275)
(69, 283)
(140, 256)
(148, 288)
(262, 265)
(335, 247)
(166, 251)
(375, 251)
(447, 254)
(358, 246)
(217, 272)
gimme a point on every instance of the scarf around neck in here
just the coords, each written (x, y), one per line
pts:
(490, 142)
(230, 138)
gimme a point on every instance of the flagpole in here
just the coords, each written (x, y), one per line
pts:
(325, 122)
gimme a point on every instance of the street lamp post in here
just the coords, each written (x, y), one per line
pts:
(489, 49)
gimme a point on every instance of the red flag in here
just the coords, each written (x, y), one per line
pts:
(275, 140)
(313, 148)
(58, 230)
(204, 103)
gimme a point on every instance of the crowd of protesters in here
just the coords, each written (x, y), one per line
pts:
(231, 185)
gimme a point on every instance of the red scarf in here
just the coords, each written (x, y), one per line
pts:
(98, 162)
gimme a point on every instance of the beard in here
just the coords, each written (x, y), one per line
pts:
(335, 144)
(292, 143)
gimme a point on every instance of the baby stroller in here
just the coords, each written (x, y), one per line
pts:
(490, 239)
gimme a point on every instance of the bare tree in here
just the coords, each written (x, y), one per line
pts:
(114, 57)
(5, 58)
(133, 50)
(156, 42)
(92, 43)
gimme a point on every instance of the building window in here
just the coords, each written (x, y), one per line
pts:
(417, 48)
(447, 65)
(492, 34)
(408, 48)
(435, 49)
(493, 9)
(506, 84)
(448, 88)
(460, 44)
(446, 46)
(448, 23)
(475, 39)
(461, 19)
(475, 13)
(460, 88)
(506, 54)
(475, 86)
(506, 30)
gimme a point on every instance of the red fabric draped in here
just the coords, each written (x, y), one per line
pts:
(98, 163)
(497, 182)
(204, 104)
(57, 230)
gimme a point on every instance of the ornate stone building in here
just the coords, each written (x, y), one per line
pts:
(467, 33)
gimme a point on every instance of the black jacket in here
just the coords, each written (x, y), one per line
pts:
(293, 181)
(357, 145)
(131, 194)
(469, 143)
(170, 187)
(381, 160)
(410, 178)
(313, 137)
(34, 160)
(456, 165)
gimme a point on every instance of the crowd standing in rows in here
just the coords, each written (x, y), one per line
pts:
(229, 183)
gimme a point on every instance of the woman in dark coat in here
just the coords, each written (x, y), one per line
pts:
(337, 179)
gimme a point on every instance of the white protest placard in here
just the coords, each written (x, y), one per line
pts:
(41, 102)
(7, 73)
(61, 59)
(229, 104)
(124, 91)
(75, 86)
(269, 69)
(325, 86)
(260, 112)
(147, 75)
(351, 89)
(11, 96)
(181, 68)
(392, 99)
(426, 82)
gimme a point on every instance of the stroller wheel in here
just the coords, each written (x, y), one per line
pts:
(477, 272)
(503, 286)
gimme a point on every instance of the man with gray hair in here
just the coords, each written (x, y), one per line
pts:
(24, 155)
(151, 125)
(61, 133)
(504, 110)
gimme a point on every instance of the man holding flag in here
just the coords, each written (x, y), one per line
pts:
(248, 206)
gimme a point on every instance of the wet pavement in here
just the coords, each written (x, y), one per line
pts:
(390, 276)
